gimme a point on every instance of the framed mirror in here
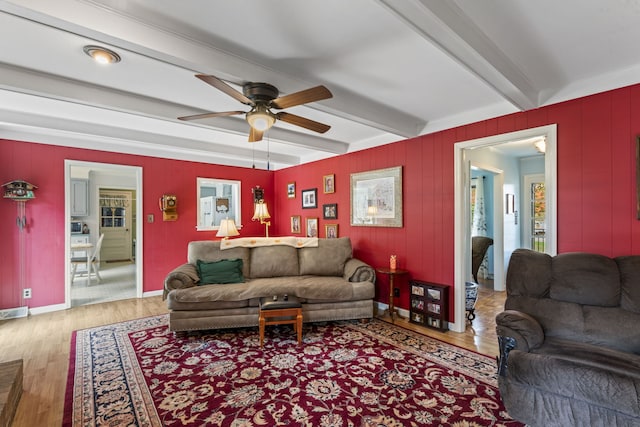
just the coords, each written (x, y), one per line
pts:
(217, 199)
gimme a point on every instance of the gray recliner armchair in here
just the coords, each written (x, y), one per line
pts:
(570, 340)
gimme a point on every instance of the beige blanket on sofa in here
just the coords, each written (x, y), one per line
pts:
(255, 242)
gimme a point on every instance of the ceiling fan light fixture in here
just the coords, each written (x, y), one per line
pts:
(101, 55)
(260, 118)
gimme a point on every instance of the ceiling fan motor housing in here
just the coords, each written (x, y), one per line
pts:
(263, 92)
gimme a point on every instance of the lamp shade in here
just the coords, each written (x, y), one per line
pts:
(260, 118)
(227, 228)
(261, 212)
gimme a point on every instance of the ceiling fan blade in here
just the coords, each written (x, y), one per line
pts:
(208, 115)
(220, 85)
(303, 122)
(313, 94)
(255, 135)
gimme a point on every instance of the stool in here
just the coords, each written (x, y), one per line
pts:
(281, 310)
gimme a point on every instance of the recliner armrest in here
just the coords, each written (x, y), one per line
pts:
(184, 276)
(523, 328)
(358, 271)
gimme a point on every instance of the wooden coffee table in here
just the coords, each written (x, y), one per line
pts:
(281, 311)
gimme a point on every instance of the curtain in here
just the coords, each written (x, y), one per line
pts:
(479, 221)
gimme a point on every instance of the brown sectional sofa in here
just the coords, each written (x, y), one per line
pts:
(330, 283)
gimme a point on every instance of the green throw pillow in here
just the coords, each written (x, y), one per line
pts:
(220, 272)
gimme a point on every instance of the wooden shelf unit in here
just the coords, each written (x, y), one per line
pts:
(429, 304)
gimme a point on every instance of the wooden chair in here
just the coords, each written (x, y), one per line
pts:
(91, 259)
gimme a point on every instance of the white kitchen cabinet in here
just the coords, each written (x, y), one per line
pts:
(79, 197)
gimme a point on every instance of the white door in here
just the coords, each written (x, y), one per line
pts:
(115, 223)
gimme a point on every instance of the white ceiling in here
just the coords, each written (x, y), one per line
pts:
(396, 68)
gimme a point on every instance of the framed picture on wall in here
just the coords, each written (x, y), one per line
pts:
(312, 227)
(310, 198)
(331, 231)
(330, 211)
(296, 227)
(329, 183)
(376, 198)
(291, 190)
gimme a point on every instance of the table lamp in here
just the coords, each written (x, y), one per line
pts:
(227, 228)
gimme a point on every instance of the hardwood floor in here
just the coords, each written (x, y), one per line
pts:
(43, 342)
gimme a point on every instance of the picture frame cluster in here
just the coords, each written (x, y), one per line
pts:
(309, 200)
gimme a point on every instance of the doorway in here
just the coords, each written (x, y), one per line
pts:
(462, 229)
(113, 196)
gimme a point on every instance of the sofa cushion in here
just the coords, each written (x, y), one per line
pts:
(583, 278)
(529, 273)
(273, 261)
(629, 278)
(207, 250)
(328, 259)
(600, 380)
(220, 272)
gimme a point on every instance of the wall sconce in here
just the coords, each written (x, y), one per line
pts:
(260, 212)
(227, 229)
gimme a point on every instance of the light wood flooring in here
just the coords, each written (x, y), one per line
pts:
(44, 340)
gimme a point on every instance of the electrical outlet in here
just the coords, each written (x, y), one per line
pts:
(150, 218)
(396, 292)
(26, 293)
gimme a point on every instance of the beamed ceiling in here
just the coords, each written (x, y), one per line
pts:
(396, 69)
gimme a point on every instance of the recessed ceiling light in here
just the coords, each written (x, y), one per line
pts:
(101, 55)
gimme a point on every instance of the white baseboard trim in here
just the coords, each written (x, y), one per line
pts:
(382, 307)
(47, 309)
(152, 294)
(58, 307)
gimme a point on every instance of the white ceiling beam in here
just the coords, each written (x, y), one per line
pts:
(449, 28)
(98, 22)
(55, 87)
(113, 138)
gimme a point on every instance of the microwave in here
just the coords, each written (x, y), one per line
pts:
(76, 227)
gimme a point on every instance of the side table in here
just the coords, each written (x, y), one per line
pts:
(283, 310)
(391, 273)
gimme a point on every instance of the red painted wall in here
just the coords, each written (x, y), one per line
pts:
(596, 196)
(165, 243)
(596, 186)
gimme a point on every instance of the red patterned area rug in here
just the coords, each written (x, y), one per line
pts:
(137, 373)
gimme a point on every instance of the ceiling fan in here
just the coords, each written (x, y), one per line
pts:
(263, 97)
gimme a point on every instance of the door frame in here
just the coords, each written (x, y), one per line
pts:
(137, 170)
(462, 184)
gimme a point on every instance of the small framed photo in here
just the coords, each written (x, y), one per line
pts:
(291, 190)
(434, 294)
(329, 183)
(312, 227)
(331, 231)
(330, 211)
(310, 198)
(296, 227)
